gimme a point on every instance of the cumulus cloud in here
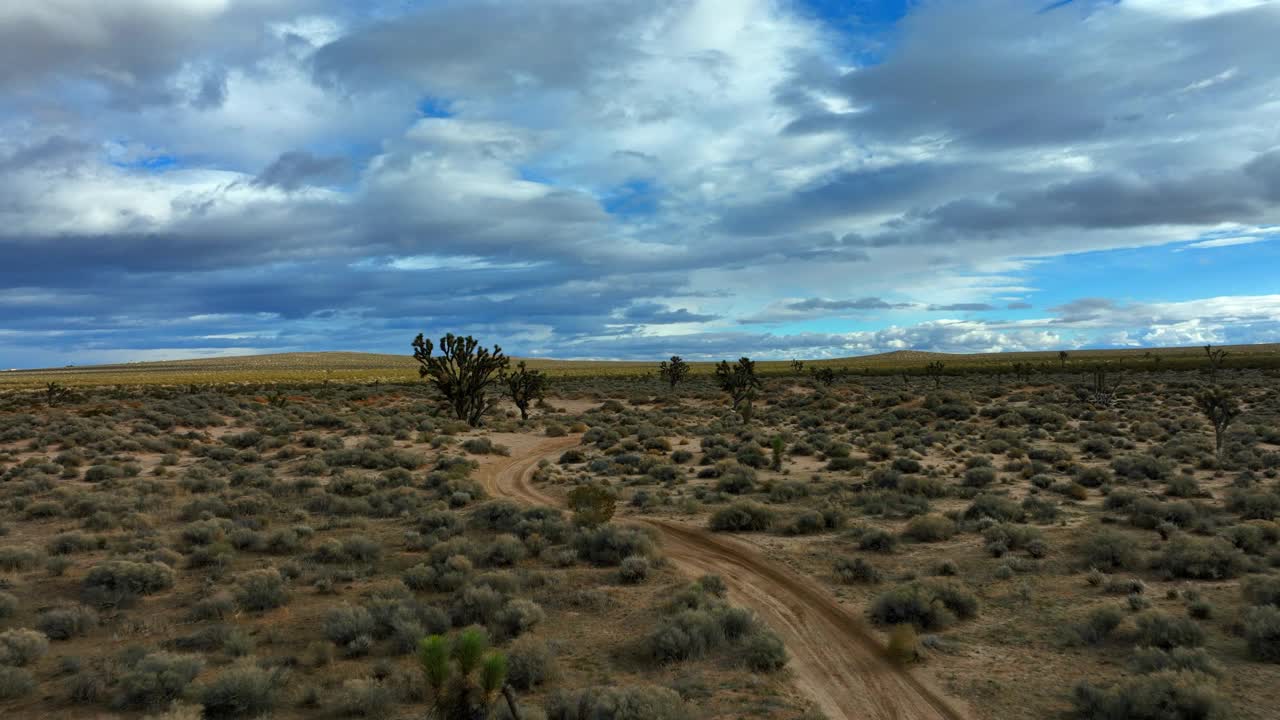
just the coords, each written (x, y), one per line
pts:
(615, 179)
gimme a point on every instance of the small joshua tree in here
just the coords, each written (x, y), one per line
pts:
(464, 678)
(779, 447)
(825, 375)
(674, 370)
(1216, 356)
(934, 370)
(55, 393)
(740, 381)
(797, 366)
(525, 387)
(1221, 408)
(1103, 391)
(1062, 359)
(462, 372)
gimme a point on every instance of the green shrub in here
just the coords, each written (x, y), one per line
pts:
(609, 545)
(15, 682)
(877, 540)
(850, 570)
(242, 691)
(1262, 633)
(156, 680)
(979, 477)
(64, 623)
(743, 516)
(1262, 590)
(1109, 549)
(763, 651)
(926, 605)
(635, 702)
(1198, 559)
(930, 528)
(349, 627)
(1096, 626)
(634, 570)
(530, 663)
(1166, 631)
(1151, 660)
(21, 647)
(259, 590)
(364, 697)
(1167, 695)
(115, 581)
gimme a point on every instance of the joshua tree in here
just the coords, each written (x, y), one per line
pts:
(1103, 391)
(740, 382)
(55, 393)
(1216, 356)
(592, 505)
(824, 375)
(525, 387)
(462, 372)
(934, 370)
(674, 370)
(1022, 371)
(464, 678)
(1062, 359)
(797, 366)
(1220, 407)
(779, 446)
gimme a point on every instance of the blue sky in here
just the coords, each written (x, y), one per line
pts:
(613, 179)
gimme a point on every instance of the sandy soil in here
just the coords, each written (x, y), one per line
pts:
(835, 659)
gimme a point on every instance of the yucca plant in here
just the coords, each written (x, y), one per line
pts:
(464, 677)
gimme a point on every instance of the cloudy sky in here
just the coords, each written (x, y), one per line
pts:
(632, 179)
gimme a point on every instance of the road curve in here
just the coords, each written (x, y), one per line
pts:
(835, 659)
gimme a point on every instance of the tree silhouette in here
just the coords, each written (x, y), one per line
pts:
(462, 372)
(674, 370)
(525, 387)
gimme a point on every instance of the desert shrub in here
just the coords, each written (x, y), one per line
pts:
(1004, 537)
(736, 479)
(64, 623)
(743, 516)
(1163, 631)
(21, 647)
(156, 680)
(1092, 477)
(1151, 660)
(634, 570)
(979, 476)
(364, 697)
(996, 507)
(688, 634)
(930, 528)
(877, 540)
(349, 627)
(8, 605)
(15, 682)
(609, 545)
(15, 558)
(1110, 549)
(259, 590)
(504, 551)
(1167, 695)
(928, 606)
(1262, 633)
(806, 523)
(1186, 557)
(114, 581)
(517, 618)
(635, 702)
(1095, 627)
(763, 651)
(1141, 467)
(1262, 590)
(241, 691)
(530, 663)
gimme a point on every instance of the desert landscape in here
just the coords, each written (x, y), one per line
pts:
(922, 543)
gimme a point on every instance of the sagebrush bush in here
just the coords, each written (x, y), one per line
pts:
(609, 545)
(114, 581)
(156, 680)
(530, 663)
(926, 605)
(1262, 633)
(21, 647)
(634, 570)
(64, 623)
(763, 651)
(851, 570)
(1095, 627)
(242, 691)
(8, 605)
(1200, 559)
(1163, 631)
(15, 682)
(743, 516)
(1109, 549)
(1166, 695)
(259, 590)
(1151, 660)
(634, 702)
(930, 528)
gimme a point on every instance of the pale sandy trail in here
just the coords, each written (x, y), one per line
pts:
(836, 661)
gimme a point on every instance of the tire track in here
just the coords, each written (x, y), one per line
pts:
(836, 661)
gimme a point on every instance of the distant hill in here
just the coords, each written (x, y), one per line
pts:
(357, 366)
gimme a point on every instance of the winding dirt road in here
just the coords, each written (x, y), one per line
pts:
(836, 661)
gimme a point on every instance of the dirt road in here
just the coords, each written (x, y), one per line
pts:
(835, 659)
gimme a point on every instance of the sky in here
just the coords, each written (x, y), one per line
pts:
(635, 179)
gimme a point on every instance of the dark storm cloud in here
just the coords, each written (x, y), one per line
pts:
(297, 168)
(483, 47)
(659, 314)
(55, 150)
(1000, 74)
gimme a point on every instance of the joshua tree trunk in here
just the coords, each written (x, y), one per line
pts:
(510, 697)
